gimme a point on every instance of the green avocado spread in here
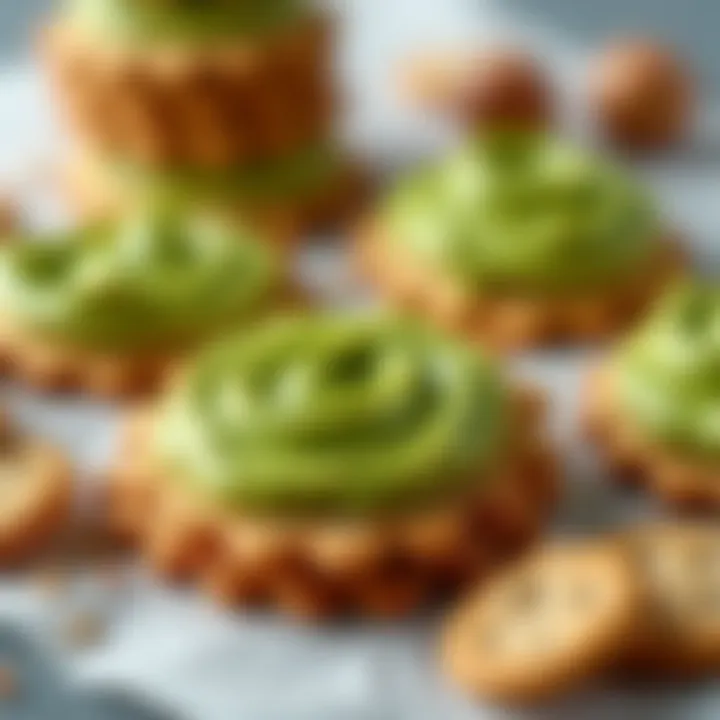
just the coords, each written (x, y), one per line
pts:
(139, 22)
(526, 213)
(332, 414)
(153, 280)
(668, 371)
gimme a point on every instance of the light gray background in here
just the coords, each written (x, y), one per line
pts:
(18, 18)
(692, 24)
(219, 666)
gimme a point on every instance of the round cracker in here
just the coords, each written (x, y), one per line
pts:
(679, 571)
(544, 626)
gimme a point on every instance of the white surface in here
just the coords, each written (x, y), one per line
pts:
(216, 666)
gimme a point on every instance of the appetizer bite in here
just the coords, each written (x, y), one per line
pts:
(111, 308)
(229, 104)
(652, 405)
(519, 239)
(328, 464)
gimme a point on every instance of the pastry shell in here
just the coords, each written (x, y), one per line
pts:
(513, 322)
(321, 567)
(212, 107)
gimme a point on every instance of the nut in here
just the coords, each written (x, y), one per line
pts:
(504, 88)
(643, 95)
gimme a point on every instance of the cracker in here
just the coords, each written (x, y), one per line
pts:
(512, 322)
(679, 570)
(56, 367)
(544, 626)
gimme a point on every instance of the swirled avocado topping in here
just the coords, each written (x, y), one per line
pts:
(153, 280)
(526, 213)
(669, 371)
(333, 414)
(136, 22)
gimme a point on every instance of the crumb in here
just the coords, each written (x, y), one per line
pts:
(8, 681)
(51, 581)
(85, 629)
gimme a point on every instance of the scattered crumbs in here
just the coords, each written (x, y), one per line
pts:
(8, 681)
(85, 629)
(51, 581)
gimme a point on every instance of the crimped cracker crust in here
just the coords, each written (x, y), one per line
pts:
(508, 322)
(684, 481)
(91, 195)
(319, 567)
(51, 366)
(54, 367)
(547, 673)
(215, 106)
(36, 502)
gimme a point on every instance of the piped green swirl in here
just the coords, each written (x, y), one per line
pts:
(156, 280)
(333, 414)
(669, 371)
(526, 213)
(143, 22)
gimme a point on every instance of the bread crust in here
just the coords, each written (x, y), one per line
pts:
(323, 567)
(510, 322)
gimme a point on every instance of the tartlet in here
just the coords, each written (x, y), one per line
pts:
(208, 94)
(36, 489)
(519, 240)
(111, 308)
(652, 405)
(335, 464)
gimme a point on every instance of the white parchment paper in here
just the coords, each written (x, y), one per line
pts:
(212, 665)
